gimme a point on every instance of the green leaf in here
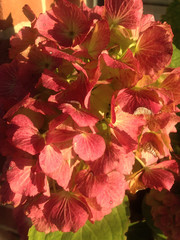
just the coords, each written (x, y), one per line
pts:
(111, 227)
(175, 62)
(35, 235)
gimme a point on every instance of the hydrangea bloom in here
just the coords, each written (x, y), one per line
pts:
(91, 104)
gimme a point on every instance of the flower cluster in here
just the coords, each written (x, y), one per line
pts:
(87, 105)
(166, 212)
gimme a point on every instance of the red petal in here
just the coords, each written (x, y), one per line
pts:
(59, 135)
(35, 211)
(172, 85)
(76, 92)
(122, 74)
(170, 165)
(39, 106)
(129, 100)
(130, 60)
(89, 146)
(89, 184)
(28, 12)
(154, 50)
(57, 121)
(112, 63)
(98, 39)
(11, 85)
(19, 42)
(124, 139)
(158, 179)
(157, 176)
(68, 213)
(66, 24)
(56, 53)
(124, 12)
(74, 23)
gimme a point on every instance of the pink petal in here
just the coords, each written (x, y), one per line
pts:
(62, 175)
(7, 196)
(59, 135)
(124, 139)
(45, 22)
(52, 81)
(24, 179)
(53, 165)
(50, 159)
(146, 21)
(112, 63)
(89, 146)
(82, 118)
(114, 158)
(25, 136)
(56, 53)
(97, 212)
(158, 178)
(114, 192)
(128, 123)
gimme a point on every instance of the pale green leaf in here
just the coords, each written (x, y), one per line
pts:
(175, 62)
(35, 235)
